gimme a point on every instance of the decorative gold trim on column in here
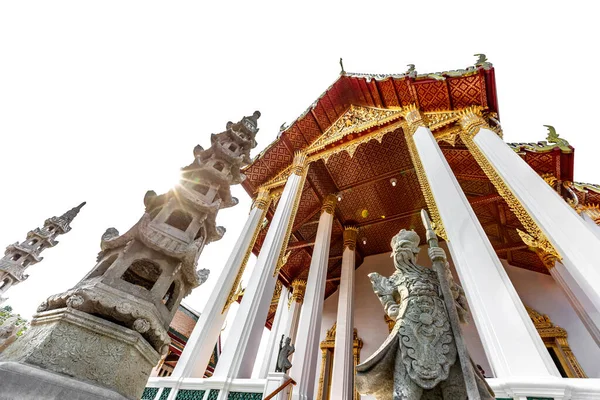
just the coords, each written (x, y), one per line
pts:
(298, 290)
(350, 235)
(283, 254)
(414, 118)
(329, 204)
(300, 163)
(438, 225)
(548, 259)
(276, 292)
(262, 201)
(472, 122)
(328, 345)
(555, 337)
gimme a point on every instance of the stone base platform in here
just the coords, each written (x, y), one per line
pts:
(68, 344)
(25, 382)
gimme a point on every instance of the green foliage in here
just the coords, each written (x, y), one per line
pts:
(6, 313)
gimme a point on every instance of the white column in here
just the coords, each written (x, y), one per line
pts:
(579, 301)
(199, 348)
(342, 381)
(272, 351)
(306, 356)
(568, 232)
(291, 325)
(509, 338)
(241, 346)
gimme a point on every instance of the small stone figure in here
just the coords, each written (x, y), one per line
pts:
(285, 350)
(8, 332)
(419, 359)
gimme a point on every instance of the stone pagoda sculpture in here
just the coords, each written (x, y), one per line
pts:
(20, 256)
(109, 330)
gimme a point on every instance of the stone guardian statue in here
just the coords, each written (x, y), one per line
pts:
(419, 359)
(285, 350)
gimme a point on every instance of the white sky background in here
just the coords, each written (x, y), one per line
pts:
(102, 101)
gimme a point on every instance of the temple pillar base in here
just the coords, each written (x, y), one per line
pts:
(23, 381)
(274, 381)
(75, 347)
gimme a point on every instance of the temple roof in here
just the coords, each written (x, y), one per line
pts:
(363, 175)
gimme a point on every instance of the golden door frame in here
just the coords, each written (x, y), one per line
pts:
(327, 347)
(555, 338)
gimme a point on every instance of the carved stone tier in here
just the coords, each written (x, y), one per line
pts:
(20, 256)
(75, 343)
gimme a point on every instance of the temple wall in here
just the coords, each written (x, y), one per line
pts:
(537, 290)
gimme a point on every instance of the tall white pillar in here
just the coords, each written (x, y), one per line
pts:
(198, 350)
(550, 220)
(272, 351)
(579, 301)
(342, 381)
(291, 325)
(509, 338)
(567, 231)
(241, 346)
(306, 356)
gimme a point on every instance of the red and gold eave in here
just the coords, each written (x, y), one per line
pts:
(364, 178)
(476, 87)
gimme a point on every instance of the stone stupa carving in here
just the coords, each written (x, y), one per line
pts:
(20, 256)
(110, 329)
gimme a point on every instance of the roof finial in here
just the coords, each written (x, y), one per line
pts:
(482, 61)
(412, 72)
(342, 65)
(72, 213)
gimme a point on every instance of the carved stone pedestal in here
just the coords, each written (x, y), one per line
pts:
(70, 343)
(25, 382)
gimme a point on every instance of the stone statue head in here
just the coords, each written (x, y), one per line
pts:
(405, 247)
(288, 340)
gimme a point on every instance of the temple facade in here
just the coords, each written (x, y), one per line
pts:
(346, 176)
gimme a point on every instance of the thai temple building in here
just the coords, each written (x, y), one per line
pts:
(356, 167)
(330, 196)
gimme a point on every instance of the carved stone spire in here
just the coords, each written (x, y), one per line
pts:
(127, 301)
(20, 256)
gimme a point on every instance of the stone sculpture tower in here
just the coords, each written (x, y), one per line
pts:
(20, 256)
(111, 328)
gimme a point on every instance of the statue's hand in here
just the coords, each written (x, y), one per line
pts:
(380, 284)
(437, 254)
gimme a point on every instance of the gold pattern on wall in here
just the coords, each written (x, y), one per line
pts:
(327, 346)
(283, 254)
(438, 225)
(533, 235)
(555, 339)
(357, 119)
(276, 293)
